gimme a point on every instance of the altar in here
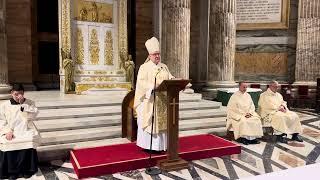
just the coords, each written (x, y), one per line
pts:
(94, 46)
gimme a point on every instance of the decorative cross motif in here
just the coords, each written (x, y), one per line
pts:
(174, 110)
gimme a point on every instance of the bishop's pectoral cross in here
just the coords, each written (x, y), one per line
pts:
(174, 103)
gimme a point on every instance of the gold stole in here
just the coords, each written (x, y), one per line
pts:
(161, 103)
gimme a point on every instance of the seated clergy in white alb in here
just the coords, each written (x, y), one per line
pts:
(144, 100)
(274, 111)
(19, 139)
(242, 118)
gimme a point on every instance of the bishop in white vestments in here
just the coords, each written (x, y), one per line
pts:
(19, 138)
(144, 100)
(242, 118)
(274, 112)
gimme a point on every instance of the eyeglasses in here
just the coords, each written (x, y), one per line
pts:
(155, 54)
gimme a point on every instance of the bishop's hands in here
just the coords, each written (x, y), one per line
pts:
(282, 108)
(149, 93)
(9, 135)
(248, 115)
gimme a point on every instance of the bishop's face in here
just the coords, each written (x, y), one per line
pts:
(155, 57)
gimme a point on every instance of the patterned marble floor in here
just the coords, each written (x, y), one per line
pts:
(254, 160)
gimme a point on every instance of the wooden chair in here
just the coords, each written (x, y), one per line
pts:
(255, 86)
(129, 122)
(285, 91)
(303, 98)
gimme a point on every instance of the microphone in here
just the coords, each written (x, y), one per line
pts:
(159, 70)
(155, 79)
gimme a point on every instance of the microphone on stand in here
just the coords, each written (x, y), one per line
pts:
(150, 170)
(155, 81)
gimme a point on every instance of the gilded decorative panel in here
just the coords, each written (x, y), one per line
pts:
(65, 26)
(80, 49)
(261, 64)
(94, 47)
(122, 33)
(108, 52)
(93, 11)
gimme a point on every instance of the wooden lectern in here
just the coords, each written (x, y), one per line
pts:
(173, 87)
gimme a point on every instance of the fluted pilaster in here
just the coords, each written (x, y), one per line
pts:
(175, 40)
(222, 42)
(4, 87)
(308, 43)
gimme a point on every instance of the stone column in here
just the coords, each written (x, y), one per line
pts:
(4, 87)
(308, 43)
(222, 43)
(175, 40)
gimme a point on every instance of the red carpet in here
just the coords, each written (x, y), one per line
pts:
(124, 157)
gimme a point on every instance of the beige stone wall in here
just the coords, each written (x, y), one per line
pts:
(264, 46)
(3, 44)
(18, 26)
(144, 29)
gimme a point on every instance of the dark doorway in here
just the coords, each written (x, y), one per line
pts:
(46, 44)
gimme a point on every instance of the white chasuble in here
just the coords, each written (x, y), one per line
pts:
(238, 106)
(285, 122)
(144, 101)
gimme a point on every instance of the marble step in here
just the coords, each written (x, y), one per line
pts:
(111, 141)
(77, 104)
(101, 121)
(197, 124)
(203, 113)
(113, 120)
(85, 112)
(53, 114)
(96, 102)
(199, 105)
(77, 123)
(61, 151)
(65, 105)
(105, 120)
(220, 131)
(78, 135)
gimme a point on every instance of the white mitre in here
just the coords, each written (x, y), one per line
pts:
(152, 45)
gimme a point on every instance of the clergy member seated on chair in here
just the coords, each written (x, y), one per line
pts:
(18, 155)
(144, 100)
(242, 118)
(273, 110)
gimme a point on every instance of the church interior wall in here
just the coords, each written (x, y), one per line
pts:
(195, 39)
(19, 42)
(144, 29)
(272, 53)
